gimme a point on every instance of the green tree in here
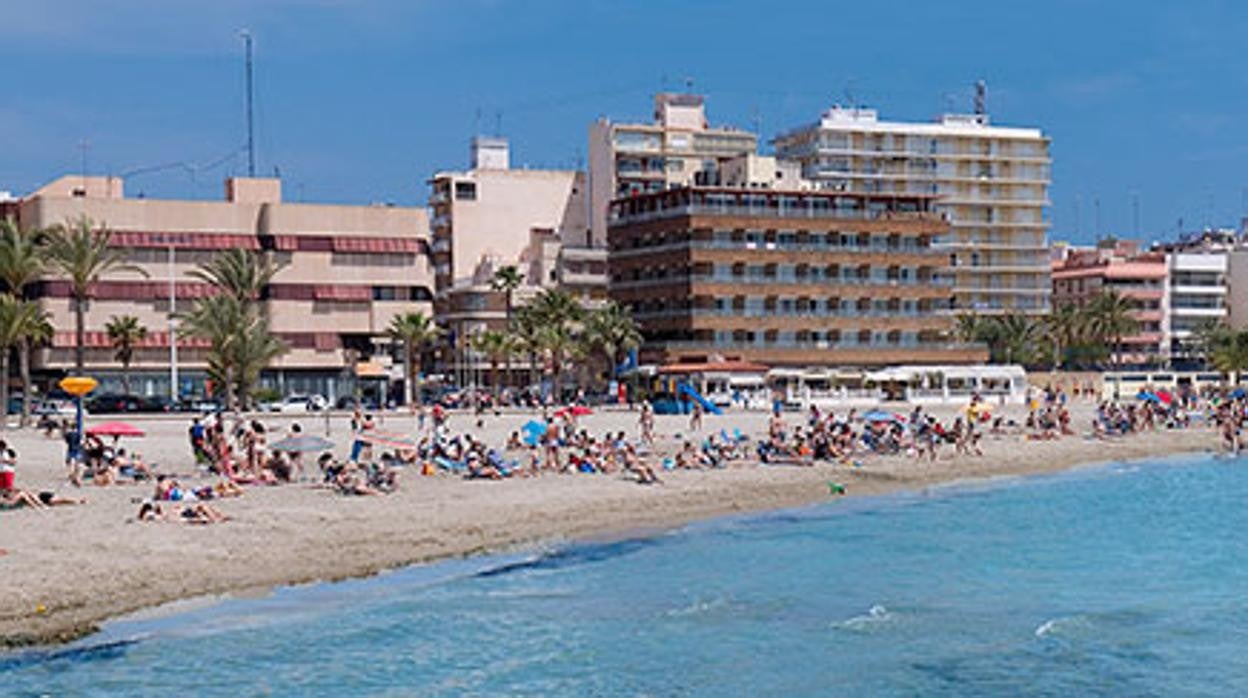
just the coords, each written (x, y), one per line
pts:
(19, 319)
(1111, 318)
(1016, 335)
(82, 255)
(243, 274)
(219, 320)
(125, 332)
(496, 347)
(415, 330)
(968, 327)
(22, 262)
(610, 331)
(557, 318)
(507, 279)
(1064, 328)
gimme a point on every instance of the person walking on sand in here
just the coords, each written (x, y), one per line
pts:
(646, 423)
(695, 417)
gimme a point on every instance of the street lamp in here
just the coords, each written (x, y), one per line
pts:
(78, 386)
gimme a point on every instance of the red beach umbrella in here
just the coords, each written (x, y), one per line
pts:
(114, 429)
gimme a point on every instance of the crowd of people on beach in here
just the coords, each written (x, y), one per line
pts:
(247, 453)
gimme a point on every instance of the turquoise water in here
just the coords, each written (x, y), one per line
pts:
(1122, 580)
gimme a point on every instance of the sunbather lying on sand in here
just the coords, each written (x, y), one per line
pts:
(16, 499)
(191, 514)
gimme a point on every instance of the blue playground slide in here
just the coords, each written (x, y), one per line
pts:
(707, 405)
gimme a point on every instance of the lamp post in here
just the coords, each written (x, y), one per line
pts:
(173, 329)
(78, 386)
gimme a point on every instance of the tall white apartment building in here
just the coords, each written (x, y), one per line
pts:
(627, 159)
(993, 182)
(1197, 295)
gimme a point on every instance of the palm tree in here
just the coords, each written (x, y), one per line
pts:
(525, 333)
(414, 330)
(241, 273)
(22, 261)
(83, 255)
(557, 323)
(219, 320)
(1064, 328)
(18, 319)
(507, 279)
(968, 327)
(611, 331)
(1016, 336)
(1110, 318)
(125, 332)
(1229, 353)
(497, 347)
(254, 349)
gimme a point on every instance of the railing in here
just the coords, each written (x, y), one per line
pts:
(842, 345)
(691, 209)
(624, 253)
(778, 312)
(766, 280)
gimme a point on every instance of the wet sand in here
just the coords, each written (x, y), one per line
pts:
(64, 570)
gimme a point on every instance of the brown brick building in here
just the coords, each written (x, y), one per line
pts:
(785, 278)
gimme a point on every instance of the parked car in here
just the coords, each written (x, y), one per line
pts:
(349, 402)
(114, 403)
(295, 404)
(55, 407)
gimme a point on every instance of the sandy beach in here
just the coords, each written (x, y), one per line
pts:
(66, 569)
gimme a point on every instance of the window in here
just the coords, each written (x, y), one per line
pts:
(466, 191)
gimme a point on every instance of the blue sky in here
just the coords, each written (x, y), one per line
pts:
(361, 101)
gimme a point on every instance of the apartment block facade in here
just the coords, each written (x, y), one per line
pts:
(627, 159)
(992, 182)
(1141, 276)
(784, 277)
(344, 273)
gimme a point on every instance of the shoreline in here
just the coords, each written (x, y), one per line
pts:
(447, 519)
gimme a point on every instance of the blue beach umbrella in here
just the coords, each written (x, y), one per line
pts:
(533, 431)
(878, 416)
(1239, 394)
(1147, 396)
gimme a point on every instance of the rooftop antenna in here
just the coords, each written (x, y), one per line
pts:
(245, 34)
(498, 123)
(849, 95)
(1135, 212)
(757, 120)
(83, 146)
(981, 98)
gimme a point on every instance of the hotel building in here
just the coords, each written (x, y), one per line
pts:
(784, 277)
(992, 182)
(1085, 273)
(491, 216)
(626, 159)
(344, 273)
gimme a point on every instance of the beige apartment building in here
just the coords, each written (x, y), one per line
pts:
(992, 182)
(627, 159)
(491, 216)
(344, 273)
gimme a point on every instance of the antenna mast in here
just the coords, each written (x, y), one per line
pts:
(251, 140)
(981, 97)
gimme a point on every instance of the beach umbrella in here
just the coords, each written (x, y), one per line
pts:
(878, 416)
(533, 431)
(575, 411)
(1239, 394)
(1147, 396)
(305, 443)
(114, 429)
(387, 440)
(1165, 397)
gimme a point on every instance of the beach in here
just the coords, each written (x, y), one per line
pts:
(68, 568)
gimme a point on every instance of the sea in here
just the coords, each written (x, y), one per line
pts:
(1126, 579)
